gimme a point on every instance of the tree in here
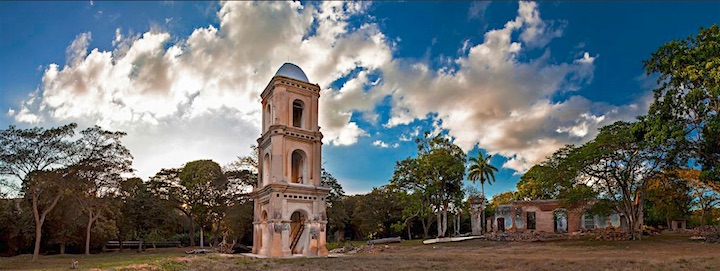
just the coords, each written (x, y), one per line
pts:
(336, 213)
(442, 165)
(206, 185)
(419, 192)
(167, 186)
(66, 223)
(668, 198)
(376, 212)
(45, 188)
(37, 150)
(551, 179)
(704, 196)
(140, 213)
(481, 170)
(336, 190)
(619, 163)
(101, 160)
(684, 114)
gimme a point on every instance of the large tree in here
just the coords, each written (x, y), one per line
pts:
(168, 188)
(37, 150)
(102, 159)
(442, 164)
(206, 186)
(684, 114)
(482, 171)
(619, 163)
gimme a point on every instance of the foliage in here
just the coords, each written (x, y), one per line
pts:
(376, 212)
(668, 198)
(684, 114)
(551, 179)
(618, 164)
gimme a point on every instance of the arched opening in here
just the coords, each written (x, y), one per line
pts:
(298, 108)
(298, 172)
(297, 227)
(588, 221)
(268, 117)
(560, 217)
(262, 231)
(266, 170)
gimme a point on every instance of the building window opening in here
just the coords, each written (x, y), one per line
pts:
(530, 220)
(298, 167)
(297, 110)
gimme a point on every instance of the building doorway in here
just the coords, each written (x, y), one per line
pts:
(501, 224)
(297, 228)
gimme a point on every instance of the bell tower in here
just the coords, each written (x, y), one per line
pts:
(290, 212)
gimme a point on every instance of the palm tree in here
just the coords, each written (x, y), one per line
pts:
(481, 170)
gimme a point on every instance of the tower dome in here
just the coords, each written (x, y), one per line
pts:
(292, 71)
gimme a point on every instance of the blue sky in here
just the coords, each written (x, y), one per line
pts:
(514, 79)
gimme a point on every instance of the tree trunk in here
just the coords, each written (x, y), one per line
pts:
(426, 229)
(445, 220)
(202, 241)
(39, 220)
(482, 214)
(62, 248)
(192, 232)
(439, 224)
(38, 233)
(408, 232)
(87, 233)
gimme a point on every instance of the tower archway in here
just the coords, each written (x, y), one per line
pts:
(266, 170)
(298, 173)
(297, 230)
(298, 112)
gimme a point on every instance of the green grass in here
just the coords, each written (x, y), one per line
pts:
(100, 260)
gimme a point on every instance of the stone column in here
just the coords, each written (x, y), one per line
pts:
(256, 238)
(284, 239)
(322, 241)
(477, 205)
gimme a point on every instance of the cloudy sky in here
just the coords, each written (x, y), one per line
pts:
(517, 80)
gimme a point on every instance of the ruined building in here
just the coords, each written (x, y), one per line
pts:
(547, 216)
(290, 212)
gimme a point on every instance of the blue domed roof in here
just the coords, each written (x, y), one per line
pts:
(292, 71)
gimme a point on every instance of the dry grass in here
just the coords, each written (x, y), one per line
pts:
(667, 252)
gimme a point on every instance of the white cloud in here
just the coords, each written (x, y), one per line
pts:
(384, 145)
(149, 81)
(180, 97)
(477, 9)
(501, 103)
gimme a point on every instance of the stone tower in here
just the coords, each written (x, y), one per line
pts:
(289, 215)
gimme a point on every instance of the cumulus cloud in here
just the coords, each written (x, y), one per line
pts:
(180, 97)
(385, 145)
(152, 81)
(503, 104)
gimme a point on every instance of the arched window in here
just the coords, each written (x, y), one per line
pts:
(298, 173)
(298, 108)
(268, 116)
(266, 170)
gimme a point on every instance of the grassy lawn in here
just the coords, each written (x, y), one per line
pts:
(665, 252)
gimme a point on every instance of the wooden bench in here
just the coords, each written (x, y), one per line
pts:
(134, 244)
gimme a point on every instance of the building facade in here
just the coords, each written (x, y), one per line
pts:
(547, 216)
(290, 212)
